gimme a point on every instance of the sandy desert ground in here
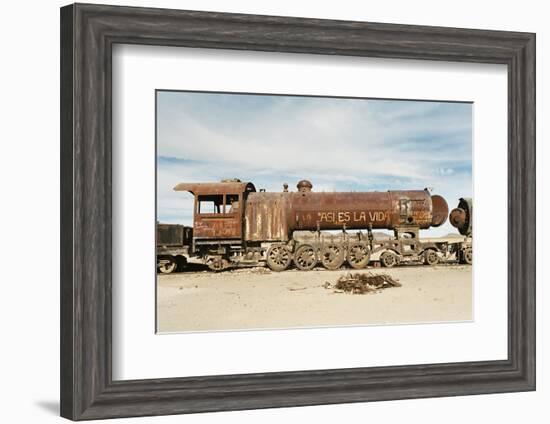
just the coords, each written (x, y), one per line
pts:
(258, 298)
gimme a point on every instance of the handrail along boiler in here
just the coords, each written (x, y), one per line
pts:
(235, 225)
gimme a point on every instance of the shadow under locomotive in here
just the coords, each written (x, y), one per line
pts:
(236, 226)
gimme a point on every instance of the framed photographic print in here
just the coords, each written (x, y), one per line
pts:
(266, 211)
(348, 220)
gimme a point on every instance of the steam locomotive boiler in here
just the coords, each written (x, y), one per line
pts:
(234, 225)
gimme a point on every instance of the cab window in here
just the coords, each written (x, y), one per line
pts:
(210, 204)
(232, 203)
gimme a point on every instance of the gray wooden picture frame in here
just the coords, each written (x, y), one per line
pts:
(88, 33)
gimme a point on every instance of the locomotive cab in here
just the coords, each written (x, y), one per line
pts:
(218, 210)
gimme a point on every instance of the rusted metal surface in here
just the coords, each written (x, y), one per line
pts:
(274, 216)
(214, 227)
(440, 209)
(304, 186)
(266, 217)
(226, 186)
(218, 209)
(169, 235)
(461, 216)
(236, 226)
(355, 210)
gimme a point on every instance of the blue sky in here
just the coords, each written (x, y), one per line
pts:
(338, 144)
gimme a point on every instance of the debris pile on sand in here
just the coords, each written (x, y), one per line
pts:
(359, 283)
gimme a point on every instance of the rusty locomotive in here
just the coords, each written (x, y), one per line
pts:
(234, 226)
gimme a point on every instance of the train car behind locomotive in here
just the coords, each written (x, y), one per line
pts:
(234, 225)
(173, 243)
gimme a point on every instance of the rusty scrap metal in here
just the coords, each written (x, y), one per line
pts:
(226, 200)
(235, 225)
(274, 216)
(362, 283)
(304, 186)
(461, 217)
(229, 186)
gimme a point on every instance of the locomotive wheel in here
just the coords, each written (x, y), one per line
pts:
(430, 257)
(388, 259)
(217, 264)
(167, 265)
(278, 258)
(358, 256)
(305, 257)
(332, 256)
(467, 256)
